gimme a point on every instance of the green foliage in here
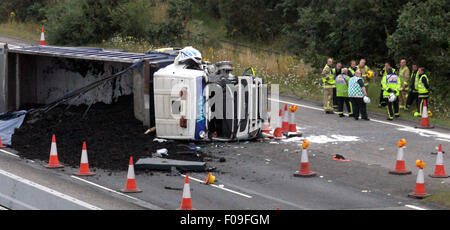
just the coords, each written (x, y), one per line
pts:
(25, 10)
(180, 10)
(422, 35)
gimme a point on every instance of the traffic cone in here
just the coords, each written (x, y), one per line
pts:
(131, 187)
(210, 179)
(186, 201)
(304, 170)
(439, 171)
(400, 168)
(42, 37)
(277, 133)
(285, 120)
(1, 145)
(419, 190)
(84, 165)
(266, 128)
(53, 161)
(292, 125)
(424, 123)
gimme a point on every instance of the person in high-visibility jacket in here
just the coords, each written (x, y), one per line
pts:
(342, 93)
(364, 69)
(423, 89)
(336, 71)
(328, 81)
(413, 93)
(391, 84)
(356, 93)
(352, 69)
(383, 73)
(403, 74)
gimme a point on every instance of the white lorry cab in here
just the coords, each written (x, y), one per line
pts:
(197, 100)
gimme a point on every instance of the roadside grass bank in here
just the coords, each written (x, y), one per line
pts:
(25, 31)
(439, 198)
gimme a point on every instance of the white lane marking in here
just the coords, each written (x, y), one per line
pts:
(105, 188)
(216, 186)
(414, 207)
(51, 191)
(12, 154)
(405, 128)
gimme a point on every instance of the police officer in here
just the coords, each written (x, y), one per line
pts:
(413, 91)
(423, 89)
(356, 92)
(328, 81)
(342, 93)
(383, 74)
(391, 84)
(403, 74)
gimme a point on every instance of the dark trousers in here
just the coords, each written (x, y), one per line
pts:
(348, 104)
(382, 101)
(335, 103)
(412, 96)
(392, 108)
(421, 100)
(359, 107)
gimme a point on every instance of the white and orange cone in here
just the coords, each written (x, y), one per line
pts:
(277, 132)
(400, 168)
(292, 125)
(266, 125)
(304, 170)
(1, 145)
(186, 201)
(439, 171)
(42, 43)
(424, 123)
(53, 161)
(131, 187)
(285, 120)
(419, 190)
(84, 165)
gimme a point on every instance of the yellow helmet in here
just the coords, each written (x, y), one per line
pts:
(430, 114)
(370, 74)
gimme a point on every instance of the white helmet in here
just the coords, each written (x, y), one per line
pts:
(189, 53)
(366, 99)
(392, 97)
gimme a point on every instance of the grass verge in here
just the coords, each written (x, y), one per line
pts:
(25, 31)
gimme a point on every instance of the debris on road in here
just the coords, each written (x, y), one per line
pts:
(160, 140)
(152, 163)
(339, 157)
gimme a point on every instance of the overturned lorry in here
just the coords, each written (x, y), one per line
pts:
(174, 90)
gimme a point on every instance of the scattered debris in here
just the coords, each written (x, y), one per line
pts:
(166, 164)
(170, 188)
(222, 159)
(160, 140)
(339, 157)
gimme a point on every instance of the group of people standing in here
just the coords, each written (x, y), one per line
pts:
(349, 86)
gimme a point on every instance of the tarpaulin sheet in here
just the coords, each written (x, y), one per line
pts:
(8, 123)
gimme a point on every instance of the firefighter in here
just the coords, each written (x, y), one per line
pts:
(423, 89)
(403, 74)
(342, 93)
(413, 93)
(328, 80)
(391, 85)
(336, 72)
(364, 69)
(383, 74)
(352, 68)
(356, 93)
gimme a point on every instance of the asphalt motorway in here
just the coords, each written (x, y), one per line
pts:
(259, 175)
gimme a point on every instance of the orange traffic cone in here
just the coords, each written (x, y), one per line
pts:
(419, 190)
(84, 165)
(292, 125)
(1, 145)
(186, 201)
(439, 171)
(53, 161)
(424, 123)
(42, 37)
(131, 187)
(400, 168)
(304, 170)
(277, 133)
(285, 120)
